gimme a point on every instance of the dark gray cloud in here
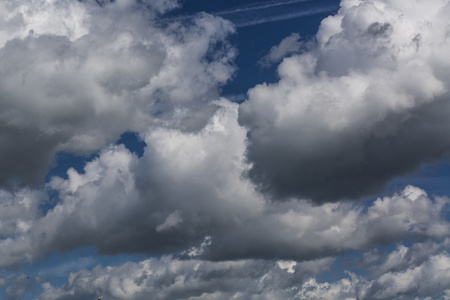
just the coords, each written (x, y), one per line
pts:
(218, 198)
(197, 204)
(363, 106)
(75, 76)
(327, 166)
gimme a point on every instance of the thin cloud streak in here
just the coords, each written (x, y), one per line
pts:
(284, 17)
(250, 15)
(251, 8)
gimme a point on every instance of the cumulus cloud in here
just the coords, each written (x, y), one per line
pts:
(299, 230)
(231, 201)
(196, 203)
(403, 257)
(364, 105)
(429, 279)
(174, 207)
(169, 278)
(18, 210)
(76, 75)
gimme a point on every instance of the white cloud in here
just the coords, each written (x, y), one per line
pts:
(169, 278)
(172, 220)
(288, 46)
(339, 122)
(340, 290)
(431, 278)
(428, 280)
(186, 196)
(369, 102)
(89, 72)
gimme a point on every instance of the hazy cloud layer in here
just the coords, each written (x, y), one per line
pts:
(75, 75)
(366, 104)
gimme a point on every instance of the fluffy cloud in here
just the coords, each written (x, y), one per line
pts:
(430, 279)
(158, 203)
(75, 75)
(369, 101)
(403, 257)
(186, 196)
(364, 105)
(169, 278)
(18, 210)
(298, 230)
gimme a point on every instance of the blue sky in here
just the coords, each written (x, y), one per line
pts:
(286, 149)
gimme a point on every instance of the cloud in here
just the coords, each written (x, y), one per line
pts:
(230, 201)
(288, 46)
(299, 230)
(186, 196)
(17, 285)
(18, 210)
(403, 257)
(77, 80)
(429, 279)
(169, 278)
(361, 107)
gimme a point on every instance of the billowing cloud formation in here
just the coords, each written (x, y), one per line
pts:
(365, 104)
(169, 278)
(75, 75)
(196, 203)
(428, 280)
(229, 200)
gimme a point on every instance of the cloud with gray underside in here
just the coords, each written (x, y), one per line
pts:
(227, 200)
(365, 105)
(76, 75)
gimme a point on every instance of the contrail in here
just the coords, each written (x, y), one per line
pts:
(283, 17)
(264, 5)
(250, 15)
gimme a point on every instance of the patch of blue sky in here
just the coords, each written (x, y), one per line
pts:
(56, 267)
(433, 178)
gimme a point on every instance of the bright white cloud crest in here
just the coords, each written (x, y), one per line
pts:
(80, 78)
(342, 113)
(231, 201)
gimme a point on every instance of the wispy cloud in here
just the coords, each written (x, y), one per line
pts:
(267, 12)
(259, 6)
(282, 17)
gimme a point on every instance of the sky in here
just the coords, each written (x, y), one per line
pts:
(212, 149)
